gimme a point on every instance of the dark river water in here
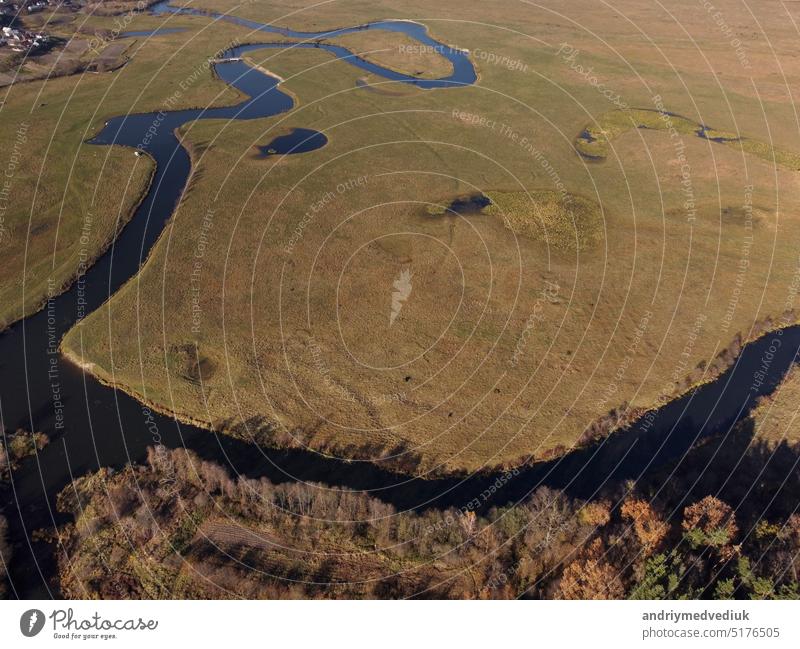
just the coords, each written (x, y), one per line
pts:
(299, 140)
(93, 426)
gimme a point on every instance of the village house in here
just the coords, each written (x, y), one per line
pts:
(20, 40)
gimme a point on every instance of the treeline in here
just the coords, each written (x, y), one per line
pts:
(179, 527)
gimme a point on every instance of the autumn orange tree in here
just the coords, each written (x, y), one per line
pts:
(650, 529)
(709, 522)
(591, 576)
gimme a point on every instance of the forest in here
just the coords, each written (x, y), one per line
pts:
(180, 527)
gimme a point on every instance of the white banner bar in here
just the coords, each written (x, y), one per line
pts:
(400, 625)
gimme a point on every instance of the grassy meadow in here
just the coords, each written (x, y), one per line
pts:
(775, 419)
(593, 142)
(320, 299)
(63, 201)
(396, 51)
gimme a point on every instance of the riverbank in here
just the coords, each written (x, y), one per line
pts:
(613, 429)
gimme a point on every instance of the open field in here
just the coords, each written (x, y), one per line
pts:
(396, 51)
(319, 299)
(52, 230)
(63, 201)
(50, 225)
(776, 419)
(593, 142)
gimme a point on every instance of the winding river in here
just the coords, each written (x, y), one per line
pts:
(93, 426)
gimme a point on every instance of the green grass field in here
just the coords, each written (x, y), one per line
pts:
(594, 140)
(396, 51)
(63, 200)
(318, 300)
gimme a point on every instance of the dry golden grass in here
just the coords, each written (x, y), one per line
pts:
(396, 51)
(777, 418)
(595, 139)
(51, 228)
(57, 189)
(504, 347)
